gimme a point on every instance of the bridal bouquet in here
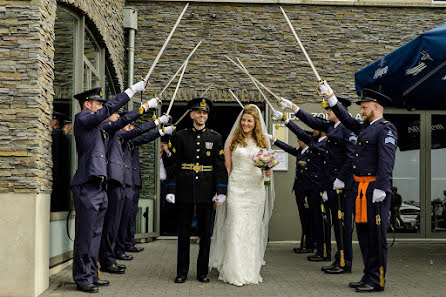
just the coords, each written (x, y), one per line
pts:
(265, 159)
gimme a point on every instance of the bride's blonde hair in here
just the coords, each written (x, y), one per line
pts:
(239, 136)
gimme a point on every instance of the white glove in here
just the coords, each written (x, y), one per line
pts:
(170, 198)
(277, 115)
(164, 119)
(139, 86)
(325, 89)
(378, 195)
(167, 131)
(153, 103)
(270, 137)
(324, 196)
(285, 103)
(338, 184)
(219, 199)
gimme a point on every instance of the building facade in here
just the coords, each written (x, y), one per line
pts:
(50, 50)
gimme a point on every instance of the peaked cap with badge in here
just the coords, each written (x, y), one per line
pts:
(200, 103)
(369, 95)
(92, 94)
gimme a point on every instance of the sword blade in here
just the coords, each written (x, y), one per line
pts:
(176, 88)
(257, 86)
(235, 97)
(182, 117)
(300, 44)
(165, 44)
(256, 80)
(205, 91)
(179, 69)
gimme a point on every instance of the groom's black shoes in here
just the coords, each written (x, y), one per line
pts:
(203, 278)
(180, 279)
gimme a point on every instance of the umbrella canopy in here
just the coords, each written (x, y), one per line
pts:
(414, 75)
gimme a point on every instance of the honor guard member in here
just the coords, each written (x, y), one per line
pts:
(130, 244)
(88, 185)
(127, 134)
(302, 189)
(317, 202)
(372, 173)
(115, 181)
(339, 178)
(197, 173)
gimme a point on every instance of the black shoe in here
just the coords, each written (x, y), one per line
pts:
(180, 279)
(90, 288)
(112, 269)
(365, 288)
(102, 283)
(356, 284)
(134, 249)
(203, 279)
(302, 250)
(125, 257)
(121, 265)
(327, 267)
(337, 270)
(318, 258)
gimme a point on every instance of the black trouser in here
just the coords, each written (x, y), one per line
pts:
(317, 229)
(90, 203)
(304, 216)
(368, 236)
(185, 213)
(111, 223)
(347, 209)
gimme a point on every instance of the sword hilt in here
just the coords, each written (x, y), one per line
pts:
(154, 116)
(141, 109)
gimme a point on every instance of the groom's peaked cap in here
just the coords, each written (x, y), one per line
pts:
(200, 103)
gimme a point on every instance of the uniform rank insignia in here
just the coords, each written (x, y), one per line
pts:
(208, 153)
(389, 138)
(221, 152)
(209, 145)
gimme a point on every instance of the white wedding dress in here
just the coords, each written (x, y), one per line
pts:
(239, 242)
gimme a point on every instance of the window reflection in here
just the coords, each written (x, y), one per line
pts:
(405, 204)
(438, 173)
(60, 125)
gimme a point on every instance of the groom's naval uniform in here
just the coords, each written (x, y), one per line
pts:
(197, 172)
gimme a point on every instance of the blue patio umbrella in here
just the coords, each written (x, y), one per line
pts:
(414, 75)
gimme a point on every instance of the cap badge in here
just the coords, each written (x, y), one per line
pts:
(203, 103)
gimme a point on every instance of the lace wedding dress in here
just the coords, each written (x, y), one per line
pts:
(239, 242)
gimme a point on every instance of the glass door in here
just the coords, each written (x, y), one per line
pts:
(407, 211)
(437, 174)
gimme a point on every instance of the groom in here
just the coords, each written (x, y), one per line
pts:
(197, 172)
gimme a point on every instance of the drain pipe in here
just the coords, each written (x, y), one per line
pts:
(131, 23)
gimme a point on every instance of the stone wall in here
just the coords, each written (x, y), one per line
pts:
(26, 93)
(107, 17)
(26, 83)
(340, 39)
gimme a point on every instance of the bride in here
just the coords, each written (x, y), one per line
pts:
(241, 225)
